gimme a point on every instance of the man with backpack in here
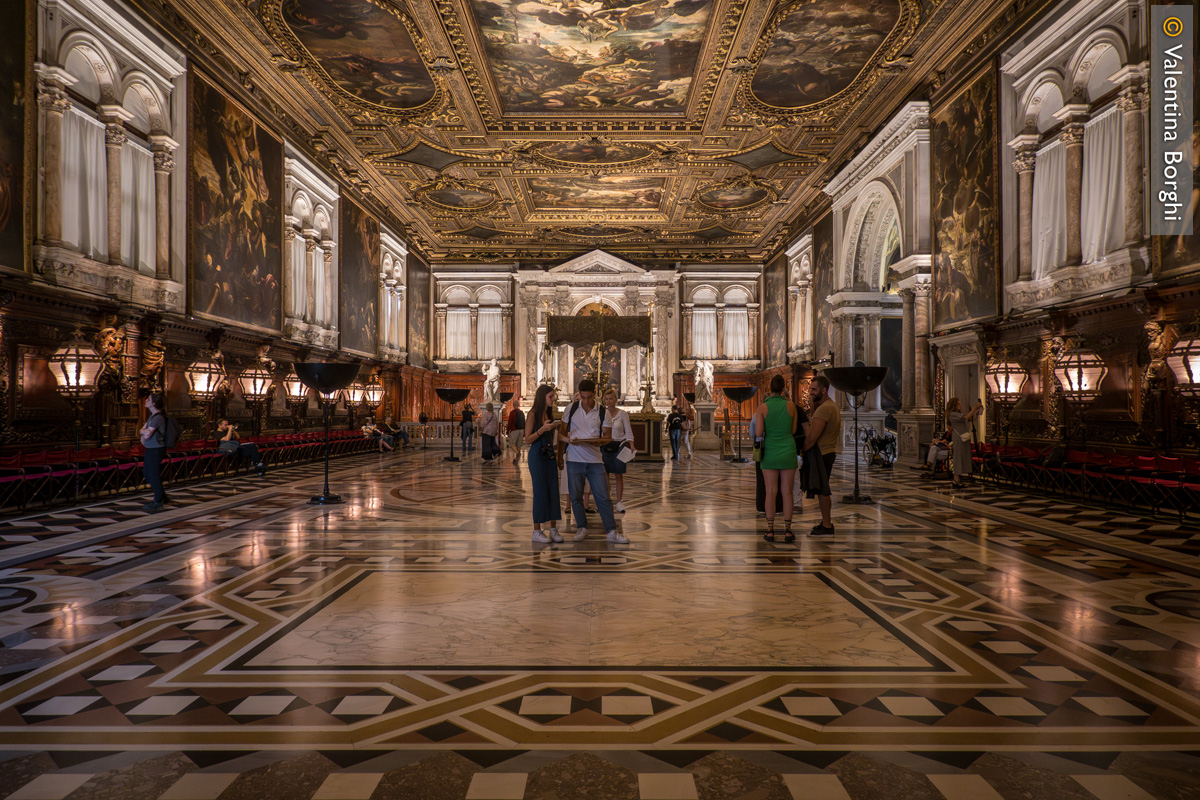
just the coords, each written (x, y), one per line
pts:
(515, 425)
(157, 435)
(585, 434)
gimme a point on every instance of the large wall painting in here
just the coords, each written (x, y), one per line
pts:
(891, 355)
(605, 191)
(822, 287)
(417, 299)
(236, 181)
(621, 55)
(819, 48)
(13, 87)
(359, 275)
(966, 211)
(583, 359)
(364, 50)
(775, 297)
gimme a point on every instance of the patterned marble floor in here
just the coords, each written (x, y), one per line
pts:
(414, 643)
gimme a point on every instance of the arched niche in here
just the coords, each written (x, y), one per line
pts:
(872, 219)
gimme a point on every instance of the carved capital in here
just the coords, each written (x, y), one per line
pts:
(1072, 134)
(114, 135)
(1024, 161)
(164, 161)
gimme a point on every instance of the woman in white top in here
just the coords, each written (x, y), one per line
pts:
(616, 426)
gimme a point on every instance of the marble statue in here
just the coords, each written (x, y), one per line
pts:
(491, 382)
(704, 381)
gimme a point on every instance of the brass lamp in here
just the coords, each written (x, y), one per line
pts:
(256, 386)
(373, 392)
(297, 398)
(206, 379)
(1006, 379)
(76, 366)
(1184, 361)
(1080, 372)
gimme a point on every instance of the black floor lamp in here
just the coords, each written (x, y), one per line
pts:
(423, 418)
(856, 381)
(739, 395)
(326, 379)
(452, 396)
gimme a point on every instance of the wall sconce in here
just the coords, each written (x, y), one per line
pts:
(297, 398)
(1081, 372)
(1184, 361)
(256, 384)
(1006, 379)
(206, 379)
(373, 391)
(75, 366)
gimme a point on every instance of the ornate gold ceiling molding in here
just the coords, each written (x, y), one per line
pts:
(605, 154)
(737, 196)
(298, 59)
(884, 60)
(452, 197)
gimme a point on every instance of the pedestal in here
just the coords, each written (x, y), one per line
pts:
(915, 432)
(704, 436)
(647, 435)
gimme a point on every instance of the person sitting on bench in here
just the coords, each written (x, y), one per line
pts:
(230, 444)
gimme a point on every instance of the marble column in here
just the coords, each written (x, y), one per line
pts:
(398, 319)
(287, 286)
(1131, 102)
(53, 101)
(908, 351)
(113, 118)
(164, 166)
(310, 276)
(331, 298)
(386, 311)
(439, 323)
(923, 383)
(1023, 162)
(506, 332)
(720, 330)
(474, 330)
(687, 330)
(1072, 140)
(870, 331)
(752, 311)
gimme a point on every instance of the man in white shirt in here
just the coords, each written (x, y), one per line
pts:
(584, 462)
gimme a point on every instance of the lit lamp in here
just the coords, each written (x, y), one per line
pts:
(1006, 380)
(373, 391)
(1184, 361)
(355, 394)
(205, 380)
(75, 366)
(256, 386)
(1080, 372)
(297, 398)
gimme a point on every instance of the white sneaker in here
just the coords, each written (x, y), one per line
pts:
(580, 535)
(555, 536)
(540, 537)
(616, 537)
(620, 507)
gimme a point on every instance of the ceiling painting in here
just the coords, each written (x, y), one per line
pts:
(580, 55)
(455, 197)
(363, 49)
(738, 195)
(604, 192)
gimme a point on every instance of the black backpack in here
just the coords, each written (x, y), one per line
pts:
(575, 405)
(169, 435)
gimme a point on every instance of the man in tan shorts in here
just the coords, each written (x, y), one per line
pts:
(825, 431)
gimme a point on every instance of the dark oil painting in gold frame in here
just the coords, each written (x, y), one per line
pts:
(966, 208)
(583, 359)
(13, 90)
(358, 299)
(418, 302)
(775, 296)
(628, 192)
(236, 187)
(822, 287)
(364, 49)
(818, 48)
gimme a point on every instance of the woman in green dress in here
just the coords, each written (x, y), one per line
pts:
(777, 417)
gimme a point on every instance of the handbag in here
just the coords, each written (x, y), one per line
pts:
(965, 436)
(613, 447)
(757, 452)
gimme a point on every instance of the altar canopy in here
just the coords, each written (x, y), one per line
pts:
(582, 331)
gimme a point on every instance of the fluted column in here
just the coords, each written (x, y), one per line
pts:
(923, 383)
(113, 118)
(907, 351)
(53, 102)
(687, 331)
(506, 331)
(1073, 116)
(1024, 161)
(474, 330)
(1131, 103)
(439, 323)
(752, 312)
(720, 330)
(163, 148)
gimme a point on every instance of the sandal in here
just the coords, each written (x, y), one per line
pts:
(788, 536)
(770, 534)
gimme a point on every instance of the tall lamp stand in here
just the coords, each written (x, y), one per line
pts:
(856, 381)
(739, 395)
(452, 396)
(326, 379)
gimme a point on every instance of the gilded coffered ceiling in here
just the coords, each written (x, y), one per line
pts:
(533, 130)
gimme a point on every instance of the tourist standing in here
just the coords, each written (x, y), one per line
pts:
(540, 427)
(824, 433)
(489, 429)
(962, 427)
(516, 429)
(468, 426)
(618, 428)
(153, 435)
(675, 430)
(778, 418)
(585, 425)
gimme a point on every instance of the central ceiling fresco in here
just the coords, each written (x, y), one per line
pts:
(528, 130)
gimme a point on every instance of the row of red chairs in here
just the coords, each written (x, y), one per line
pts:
(1150, 481)
(51, 475)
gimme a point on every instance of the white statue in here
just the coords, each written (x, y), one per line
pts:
(704, 381)
(491, 382)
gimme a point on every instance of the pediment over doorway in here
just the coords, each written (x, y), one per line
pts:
(597, 262)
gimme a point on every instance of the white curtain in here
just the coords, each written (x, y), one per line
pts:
(137, 208)
(704, 332)
(458, 333)
(1103, 211)
(490, 333)
(316, 259)
(299, 270)
(737, 333)
(84, 185)
(1049, 209)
